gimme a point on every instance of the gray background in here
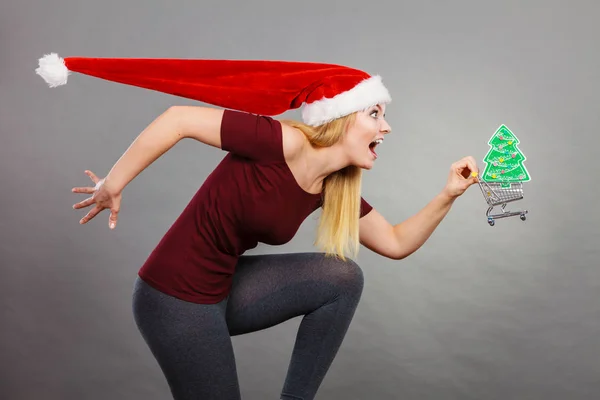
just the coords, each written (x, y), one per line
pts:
(509, 312)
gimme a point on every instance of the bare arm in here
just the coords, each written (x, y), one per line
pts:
(160, 136)
(401, 240)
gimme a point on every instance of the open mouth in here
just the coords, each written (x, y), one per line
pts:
(372, 146)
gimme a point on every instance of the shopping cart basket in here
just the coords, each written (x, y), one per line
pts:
(500, 194)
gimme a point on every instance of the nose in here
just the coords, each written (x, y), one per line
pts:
(385, 127)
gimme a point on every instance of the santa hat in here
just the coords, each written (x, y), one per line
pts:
(327, 91)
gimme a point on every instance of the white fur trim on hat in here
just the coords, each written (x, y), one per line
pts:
(53, 69)
(367, 93)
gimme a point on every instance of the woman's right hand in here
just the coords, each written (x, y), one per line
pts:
(103, 198)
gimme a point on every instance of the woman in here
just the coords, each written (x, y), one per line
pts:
(197, 289)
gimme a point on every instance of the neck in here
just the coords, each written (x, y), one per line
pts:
(322, 162)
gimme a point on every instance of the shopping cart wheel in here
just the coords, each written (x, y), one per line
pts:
(523, 217)
(491, 222)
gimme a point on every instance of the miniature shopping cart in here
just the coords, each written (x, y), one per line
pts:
(500, 194)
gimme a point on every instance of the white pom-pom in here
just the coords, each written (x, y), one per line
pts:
(53, 69)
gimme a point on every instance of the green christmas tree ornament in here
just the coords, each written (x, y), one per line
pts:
(502, 179)
(505, 161)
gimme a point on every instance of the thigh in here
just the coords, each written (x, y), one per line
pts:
(190, 342)
(270, 289)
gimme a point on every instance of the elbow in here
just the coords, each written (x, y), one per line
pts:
(401, 253)
(399, 256)
(173, 117)
(403, 247)
(174, 109)
(173, 113)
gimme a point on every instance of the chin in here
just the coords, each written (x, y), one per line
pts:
(366, 164)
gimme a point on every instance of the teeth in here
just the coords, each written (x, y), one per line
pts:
(378, 141)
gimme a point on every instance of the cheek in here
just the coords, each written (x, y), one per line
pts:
(360, 136)
(365, 128)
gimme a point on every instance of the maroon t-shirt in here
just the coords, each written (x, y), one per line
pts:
(250, 197)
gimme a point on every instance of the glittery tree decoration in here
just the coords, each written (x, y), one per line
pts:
(504, 161)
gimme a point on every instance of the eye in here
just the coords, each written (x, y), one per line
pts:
(374, 113)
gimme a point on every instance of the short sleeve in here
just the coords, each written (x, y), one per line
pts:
(252, 136)
(365, 207)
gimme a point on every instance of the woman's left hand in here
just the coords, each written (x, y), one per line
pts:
(463, 174)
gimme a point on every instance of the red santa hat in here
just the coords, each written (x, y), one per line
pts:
(327, 91)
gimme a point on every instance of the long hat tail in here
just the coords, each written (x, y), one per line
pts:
(261, 87)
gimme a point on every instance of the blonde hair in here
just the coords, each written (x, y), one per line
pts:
(337, 233)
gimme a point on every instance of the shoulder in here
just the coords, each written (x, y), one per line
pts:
(294, 141)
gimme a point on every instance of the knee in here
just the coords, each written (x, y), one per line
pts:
(346, 275)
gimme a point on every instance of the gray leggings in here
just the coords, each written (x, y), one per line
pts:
(191, 342)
